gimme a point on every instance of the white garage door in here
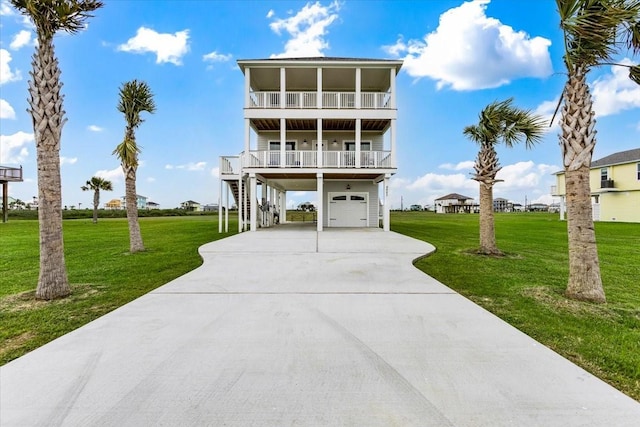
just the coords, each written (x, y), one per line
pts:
(348, 210)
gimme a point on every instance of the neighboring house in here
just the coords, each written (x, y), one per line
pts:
(191, 206)
(8, 174)
(315, 124)
(141, 201)
(307, 207)
(456, 203)
(211, 207)
(615, 187)
(113, 205)
(502, 205)
(152, 205)
(538, 207)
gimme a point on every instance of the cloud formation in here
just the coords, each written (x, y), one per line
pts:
(68, 160)
(23, 38)
(191, 166)
(167, 47)
(470, 51)
(615, 92)
(111, 175)
(94, 128)
(6, 110)
(6, 74)
(13, 148)
(308, 29)
(216, 57)
(468, 164)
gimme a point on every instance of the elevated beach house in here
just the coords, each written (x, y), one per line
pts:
(314, 124)
(615, 187)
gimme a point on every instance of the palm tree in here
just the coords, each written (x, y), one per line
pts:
(594, 32)
(96, 184)
(47, 116)
(135, 97)
(499, 122)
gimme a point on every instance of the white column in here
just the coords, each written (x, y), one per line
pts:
(283, 209)
(386, 215)
(252, 201)
(358, 88)
(319, 139)
(393, 142)
(247, 87)
(319, 87)
(240, 206)
(283, 141)
(264, 200)
(247, 139)
(392, 88)
(226, 210)
(358, 141)
(220, 207)
(320, 191)
(283, 87)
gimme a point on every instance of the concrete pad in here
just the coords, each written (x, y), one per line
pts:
(297, 336)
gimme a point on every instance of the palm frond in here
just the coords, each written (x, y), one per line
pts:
(135, 98)
(127, 151)
(49, 16)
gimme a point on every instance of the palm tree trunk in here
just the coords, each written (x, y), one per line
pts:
(577, 143)
(96, 202)
(487, 228)
(47, 114)
(135, 238)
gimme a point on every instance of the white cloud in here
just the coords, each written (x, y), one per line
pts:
(216, 57)
(191, 166)
(13, 148)
(215, 172)
(167, 47)
(151, 179)
(270, 13)
(111, 175)
(6, 110)
(471, 51)
(6, 74)
(546, 110)
(434, 181)
(5, 9)
(23, 38)
(307, 29)
(68, 160)
(95, 128)
(615, 92)
(468, 164)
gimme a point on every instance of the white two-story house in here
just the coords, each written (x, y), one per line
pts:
(314, 124)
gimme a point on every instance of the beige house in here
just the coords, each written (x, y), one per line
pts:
(113, 204)
(314, 124)
(615, 187)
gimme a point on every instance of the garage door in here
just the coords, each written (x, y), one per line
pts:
(348, 210)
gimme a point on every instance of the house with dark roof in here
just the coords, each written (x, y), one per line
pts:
(615, 187)
(456, 203)
(314, 124)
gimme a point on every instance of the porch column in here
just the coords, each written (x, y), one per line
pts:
(392, 87)
(283, 87)
(319, 87)
(247, 139)
(283, 208)
(319, 139)
(393, 142)
(240, 206)
(247, 87)
(320, 191)
(263, 202)
(220, 207)
(358, 88)
(226, 210)
(386, 214)
(283, 141)
(252, 201)
(358, 141)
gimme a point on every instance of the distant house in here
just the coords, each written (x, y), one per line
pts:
(152, 205)
(141, 201)
(191, 206)
(538, 207)
(615, 187)
(307, 207)
(113, 205)
(456, 203)
(211, 207)
(502, 205)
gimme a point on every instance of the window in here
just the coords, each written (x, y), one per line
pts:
(339, 198)
(638, 171)
(604, 175)
(361, 198)
(275, 146)
(351, 146)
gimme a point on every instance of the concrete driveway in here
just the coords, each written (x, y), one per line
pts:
(289, 327)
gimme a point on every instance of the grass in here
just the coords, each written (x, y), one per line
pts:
(102, 273)
(526, 287)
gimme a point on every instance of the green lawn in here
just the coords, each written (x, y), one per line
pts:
(103, 275)
(525, 288)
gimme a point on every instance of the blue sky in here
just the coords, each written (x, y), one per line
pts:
(459, 56)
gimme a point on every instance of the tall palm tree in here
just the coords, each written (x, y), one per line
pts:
(595, 31)
(499, 122)
(96, 184)
(135, 97)
(47, 116)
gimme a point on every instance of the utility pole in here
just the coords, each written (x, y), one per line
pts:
(401, 203)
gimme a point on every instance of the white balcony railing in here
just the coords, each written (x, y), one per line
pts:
(336, 100)
(229, 165)
(309, 159)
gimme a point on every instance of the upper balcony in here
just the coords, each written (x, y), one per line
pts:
(326, 100)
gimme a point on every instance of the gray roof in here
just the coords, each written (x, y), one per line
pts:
(454, 196)
(323, 58)
(621, 157)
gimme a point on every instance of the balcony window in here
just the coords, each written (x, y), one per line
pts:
(604, 174)
(351, 146)
(638, 171)
(275, 146)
